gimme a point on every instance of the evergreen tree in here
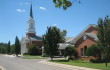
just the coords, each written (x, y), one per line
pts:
(8, 48)
(17, 46)
(104, 37)
(52, 37)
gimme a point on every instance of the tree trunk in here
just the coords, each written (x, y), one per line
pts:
(16, 55)
(51, 58)
(106, 63)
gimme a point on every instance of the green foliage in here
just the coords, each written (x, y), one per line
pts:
(70, 51)
(3, 48)
(97, 61)
(8, 48)
(52, 37)
(104, 37)
(17, 46)
(33, 49)
(93, 50)
(62, 3)
(12, 49)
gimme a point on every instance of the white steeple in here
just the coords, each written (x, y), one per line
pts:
(31, 23)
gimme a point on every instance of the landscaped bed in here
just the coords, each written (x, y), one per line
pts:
(83, 64)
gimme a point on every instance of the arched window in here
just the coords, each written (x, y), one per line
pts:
(85, 49)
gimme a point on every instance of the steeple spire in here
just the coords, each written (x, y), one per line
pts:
(31, 14)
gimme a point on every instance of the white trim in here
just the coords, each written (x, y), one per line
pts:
(82, 33)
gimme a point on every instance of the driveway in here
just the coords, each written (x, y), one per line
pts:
(16, 63)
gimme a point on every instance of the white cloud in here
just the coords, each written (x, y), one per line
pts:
(42, 8)
(26, 3)
(54, 25)
(20, 10)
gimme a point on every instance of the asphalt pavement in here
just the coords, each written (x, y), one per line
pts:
(16, 63)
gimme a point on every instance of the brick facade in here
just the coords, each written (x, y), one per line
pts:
(81, 44)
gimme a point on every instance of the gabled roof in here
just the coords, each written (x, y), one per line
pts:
(68, 39)
(94, 36)
(27, 39)
(82, 33)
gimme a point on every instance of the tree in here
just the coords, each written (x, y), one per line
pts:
(17, 46)
(13, 49)
(70, 51)
(8, 48)
(64, 3)
(33, 50)
(52, 37)
(104, 37)
(3, 48)
(94, 50)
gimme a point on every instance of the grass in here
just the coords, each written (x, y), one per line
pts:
(84, 64)
(32, 57)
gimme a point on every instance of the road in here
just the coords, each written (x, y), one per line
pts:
(16, 63)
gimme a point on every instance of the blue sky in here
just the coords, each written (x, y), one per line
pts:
(15, 13)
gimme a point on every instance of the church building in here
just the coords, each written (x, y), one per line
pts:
(31, 37)
(85, 39)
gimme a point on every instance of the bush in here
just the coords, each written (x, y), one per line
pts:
(94, 50)
(70, 51)
(33, 49)
(97, 61)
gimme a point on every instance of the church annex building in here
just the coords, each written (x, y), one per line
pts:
(81, 42)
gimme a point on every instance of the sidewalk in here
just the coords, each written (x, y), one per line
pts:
(65, 66)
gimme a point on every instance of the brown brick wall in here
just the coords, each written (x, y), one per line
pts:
(88, 42)
(30, 34)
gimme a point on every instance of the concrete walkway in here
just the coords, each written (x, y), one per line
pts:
(65, 66)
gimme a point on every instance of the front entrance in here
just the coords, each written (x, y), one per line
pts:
(83, 51)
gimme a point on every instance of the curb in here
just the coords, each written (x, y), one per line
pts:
(66, 66)
(2, 68)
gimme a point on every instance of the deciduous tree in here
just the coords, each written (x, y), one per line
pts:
(104, 37)
(52, 37)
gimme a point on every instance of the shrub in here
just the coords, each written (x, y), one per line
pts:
(97, 61)
(70, 51)
(94, 50)
(33, 49)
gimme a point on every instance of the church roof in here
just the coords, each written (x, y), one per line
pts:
(35, 38)
(27, 39)
(68, 39)
(92, 35)
(83, 32)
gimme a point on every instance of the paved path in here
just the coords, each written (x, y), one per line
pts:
(15, 63)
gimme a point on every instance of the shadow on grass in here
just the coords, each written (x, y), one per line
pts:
(59, 60)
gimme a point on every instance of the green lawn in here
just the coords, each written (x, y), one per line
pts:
(32, 57)
(84, 64)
